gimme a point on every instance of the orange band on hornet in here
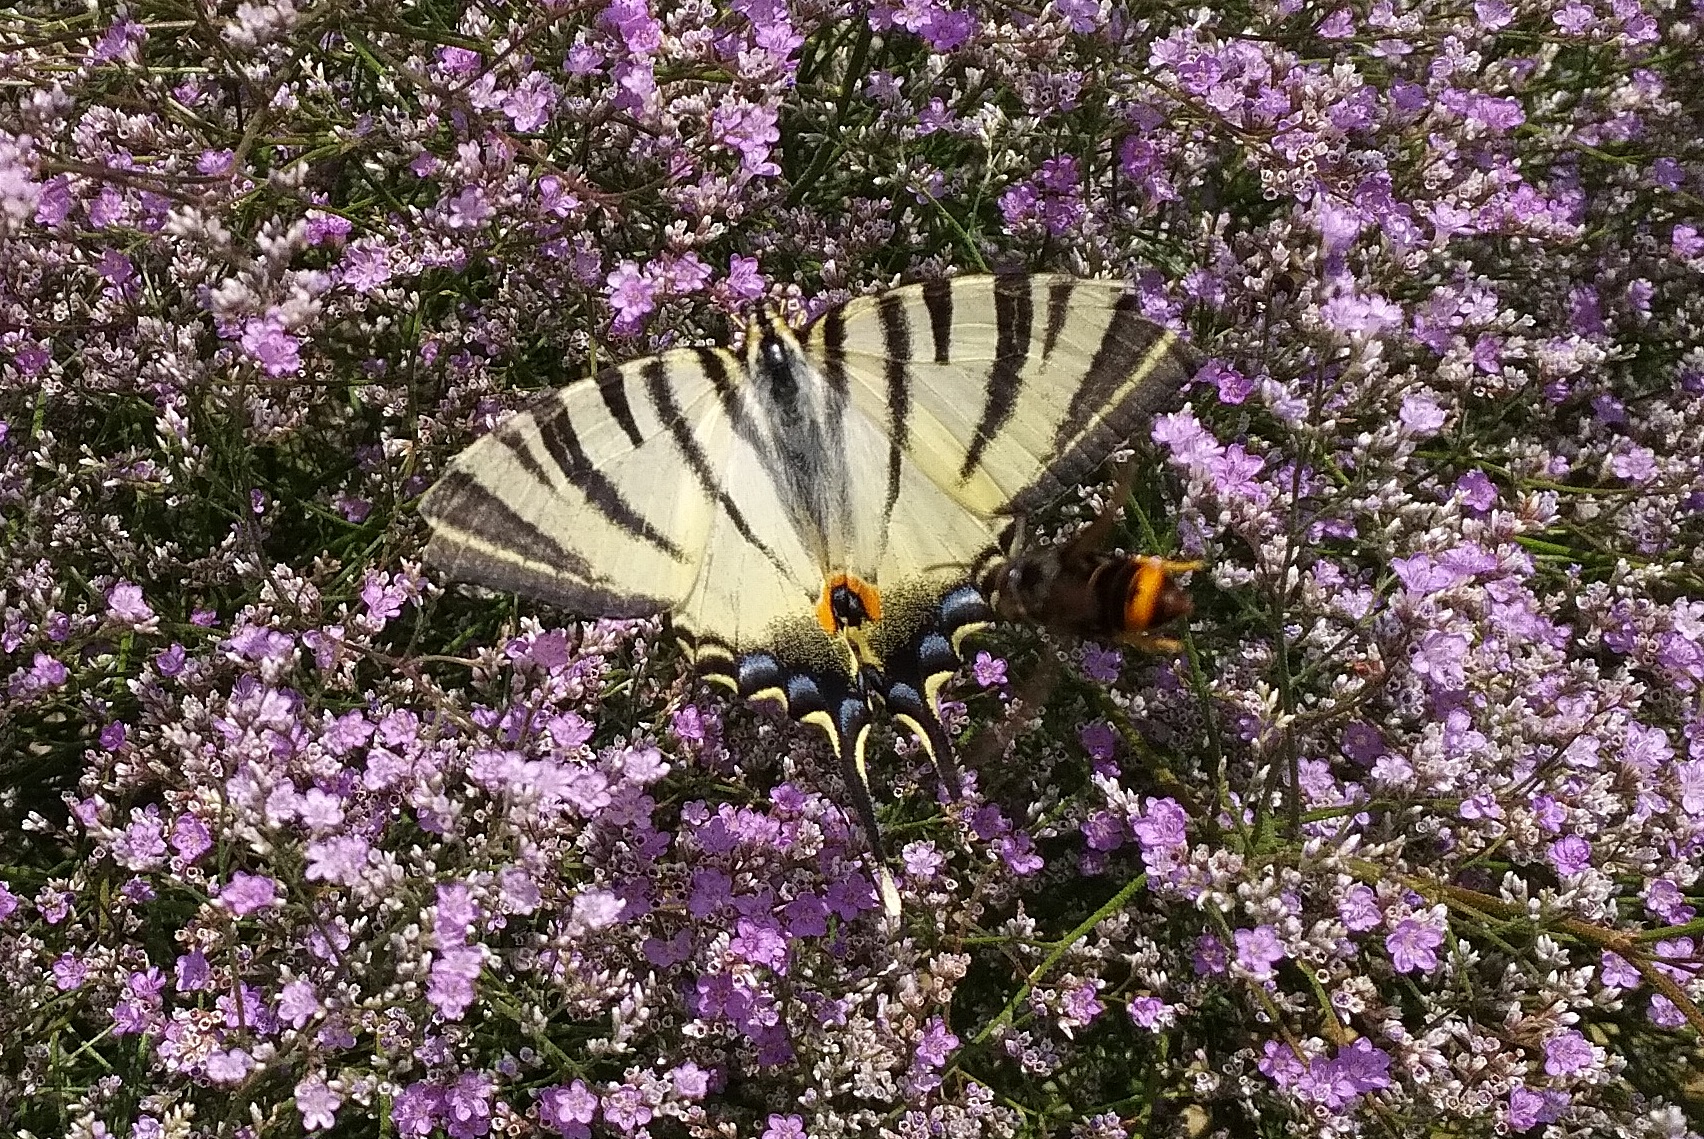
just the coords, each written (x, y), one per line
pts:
(1139, 604)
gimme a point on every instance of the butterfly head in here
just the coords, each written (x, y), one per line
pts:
(772, 352)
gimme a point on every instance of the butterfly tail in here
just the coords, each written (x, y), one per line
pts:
(848, 731)
(908, 706)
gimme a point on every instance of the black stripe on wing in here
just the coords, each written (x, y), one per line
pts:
(1131, 348)
(562, 443)
(897, 344)
(1124, 350)
(1058, 311)
(469, 521)
(612, 385)
(938, 301)
(1014, 317)
(691, 451)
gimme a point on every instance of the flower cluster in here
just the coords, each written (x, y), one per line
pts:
(300, 836)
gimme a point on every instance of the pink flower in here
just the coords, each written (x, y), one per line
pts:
(265, 341)
(632, 295)
(247, 893)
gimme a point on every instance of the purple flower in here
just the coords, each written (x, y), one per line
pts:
(230, 1066)
(761, 942)
(132, 1018)
(170, 662)
(1421, 414)
(750, 130)
(1017, 851)
(1052, 199)
(1568, 1053)
(785, 1127)
(1528, 1108)
(530, 104)
(246, 893)
(126, 607)
(192, 971)
(44, 674)
(142, 845)
(1280, 1064)
(640, 32)
(1633, 462)
(383, 600)
(298, 1002)
(936, 1044)
(1439, 658)
(190, 837)
(743, 282)
(1151, 1013)
(340, 858)
(988, 670)
(69, 973)
(418, 1109)
(1100, 664)
(806, 916)
(451, 989)
(690, 1081)
(1163, 826)
(1570, 855)
(1413, 943)
(1354, 1071)
(921, 860)
(467, 1105)
(317, 1103)
(1686, 241)
(625, 1108)
(1103, 831)
(595, 909)
(1084, 16)
(1477, 491)
(1617, 973)
(1210, 958)
(632, 295)
(1493, 14)
(1258, 949)
(1081, 1005)
(267, 343)
(1099, 740)
(566, 1109)
(459, 61)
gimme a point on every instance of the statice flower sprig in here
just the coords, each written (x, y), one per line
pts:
(297, 837)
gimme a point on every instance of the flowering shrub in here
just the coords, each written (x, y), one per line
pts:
(299, 838)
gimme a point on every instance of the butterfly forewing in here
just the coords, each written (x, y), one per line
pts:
(556, 502)
(1004, 390)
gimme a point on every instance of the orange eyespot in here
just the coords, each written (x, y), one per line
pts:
(847, 600)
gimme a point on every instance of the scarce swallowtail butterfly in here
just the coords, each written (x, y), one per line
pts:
(821, 513)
